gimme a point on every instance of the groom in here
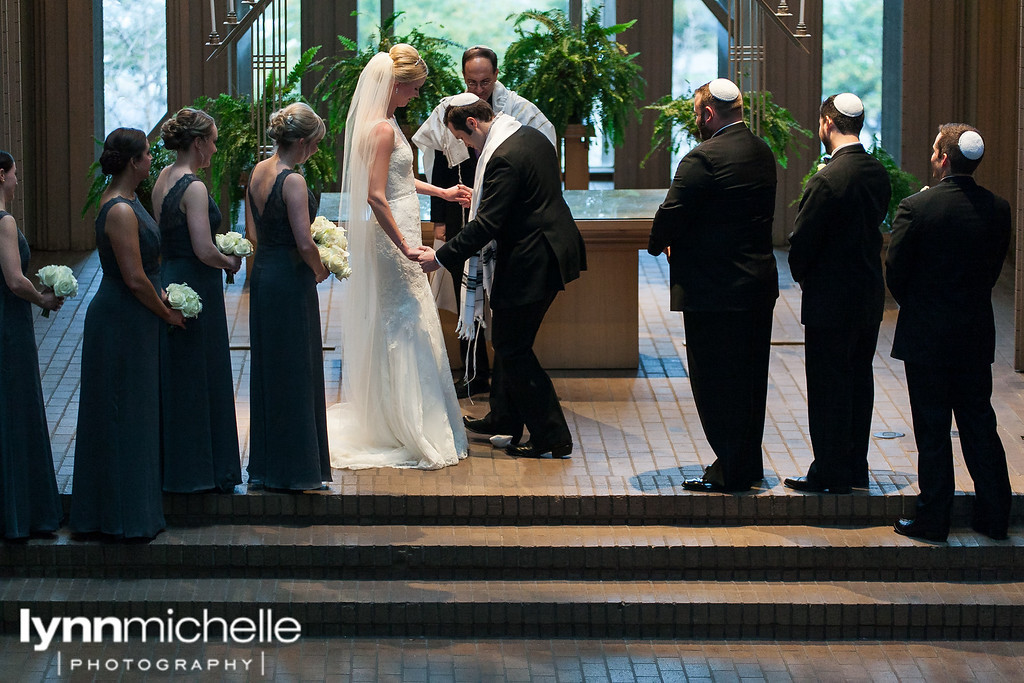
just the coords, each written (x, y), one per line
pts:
(517, 204)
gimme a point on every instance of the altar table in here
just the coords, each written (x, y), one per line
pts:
(594, 323)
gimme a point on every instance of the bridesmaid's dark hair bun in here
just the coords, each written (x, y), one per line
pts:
(120, 147)
(6, 161)
(180, 130)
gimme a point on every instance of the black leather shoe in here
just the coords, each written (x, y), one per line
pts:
(480, 426)
(465, 389)
(986, 530)
(705, 486)
(528, 450)
(807, 486)
(912, 529)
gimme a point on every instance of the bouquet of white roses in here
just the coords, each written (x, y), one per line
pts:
(333, 246)
(60, 279)
(183, 298)
(233, 244)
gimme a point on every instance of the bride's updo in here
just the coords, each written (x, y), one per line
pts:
(295, 122)
(407, 65)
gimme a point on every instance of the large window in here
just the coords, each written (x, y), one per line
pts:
(134, 63)
(694, 52)
(852, 57)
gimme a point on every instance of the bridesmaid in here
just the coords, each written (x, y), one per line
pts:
(288, 444)
(116, 488)
(29, 502)
(197, 401)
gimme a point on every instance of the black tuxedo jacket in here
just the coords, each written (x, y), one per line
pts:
(836, 250)
(717, 218)
(947, 248)
(522, 209)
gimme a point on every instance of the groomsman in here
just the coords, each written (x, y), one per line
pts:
(715, 226)
(448, 162)
(835, 255)
(518, 204)
(948, 246)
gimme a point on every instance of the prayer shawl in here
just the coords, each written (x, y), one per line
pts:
(479, 269)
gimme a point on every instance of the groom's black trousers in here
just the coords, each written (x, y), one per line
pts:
(521, 391)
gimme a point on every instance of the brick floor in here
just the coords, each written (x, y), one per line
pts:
(635, 433)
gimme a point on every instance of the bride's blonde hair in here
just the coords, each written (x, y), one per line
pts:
(407, 65)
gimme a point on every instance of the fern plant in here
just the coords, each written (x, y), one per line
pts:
(677, 123)
(341, 74)
(575, 74)
(237, 144)
(901, 183)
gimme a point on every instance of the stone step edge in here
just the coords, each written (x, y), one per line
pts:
(964, 610)
(555, 509)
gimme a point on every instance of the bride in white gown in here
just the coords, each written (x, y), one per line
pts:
(399, 407)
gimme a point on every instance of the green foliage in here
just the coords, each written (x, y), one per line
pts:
(237, 144)
(162, 157)
(852, 54)
(575, 74)
(778, 127)
(341, 74)
(902, 183)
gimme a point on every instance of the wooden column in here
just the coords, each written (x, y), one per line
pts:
(651, 36)
(11, 133)
(794, 79)
(58, 116)
(189, 75)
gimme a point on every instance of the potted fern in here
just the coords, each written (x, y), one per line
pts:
(237, 146)
(677, 122)
(577, 76)
(341, 74)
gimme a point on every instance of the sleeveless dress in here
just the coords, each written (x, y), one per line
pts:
(29, 502)
(399, 408)
(116, 482)
(288, 421)
(197, 400)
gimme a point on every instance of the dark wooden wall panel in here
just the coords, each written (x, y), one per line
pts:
(651, 36)
(189, 75)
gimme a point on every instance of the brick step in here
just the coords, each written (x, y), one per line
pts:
(676, 609)
(590, 552)
(639, 507)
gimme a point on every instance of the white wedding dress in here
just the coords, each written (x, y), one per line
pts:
(399, 405)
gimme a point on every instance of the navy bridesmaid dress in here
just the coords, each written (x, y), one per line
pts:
(29, 502)
(116, 486)
(198, 428)
(288, 432)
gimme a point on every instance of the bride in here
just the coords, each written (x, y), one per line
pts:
(399, 406)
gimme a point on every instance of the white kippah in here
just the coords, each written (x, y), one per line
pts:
(848, 104)
(463, 99)
(971, 145)
(724, 90)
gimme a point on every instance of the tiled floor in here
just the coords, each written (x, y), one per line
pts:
(540, 661)
(635, 433)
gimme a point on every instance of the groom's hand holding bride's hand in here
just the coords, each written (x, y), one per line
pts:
(428, 261)
(412, 253)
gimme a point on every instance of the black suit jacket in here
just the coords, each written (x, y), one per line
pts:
(522, 209)
(836, 250)
(717, 218)
(947, 248)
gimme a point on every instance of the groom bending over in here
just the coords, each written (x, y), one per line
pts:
(517, 205)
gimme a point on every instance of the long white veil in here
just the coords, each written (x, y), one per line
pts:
(361, 308)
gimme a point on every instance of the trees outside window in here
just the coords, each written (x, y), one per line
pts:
(134, 63)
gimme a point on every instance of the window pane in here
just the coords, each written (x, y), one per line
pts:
(852, 57)
(134, 63)
(694, 53)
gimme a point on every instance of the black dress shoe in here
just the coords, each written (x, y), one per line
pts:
(991, 532)
(528, 450)
(480, 426)
(705, 486)
(807, 486)
(913, 529)
(465, 389)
